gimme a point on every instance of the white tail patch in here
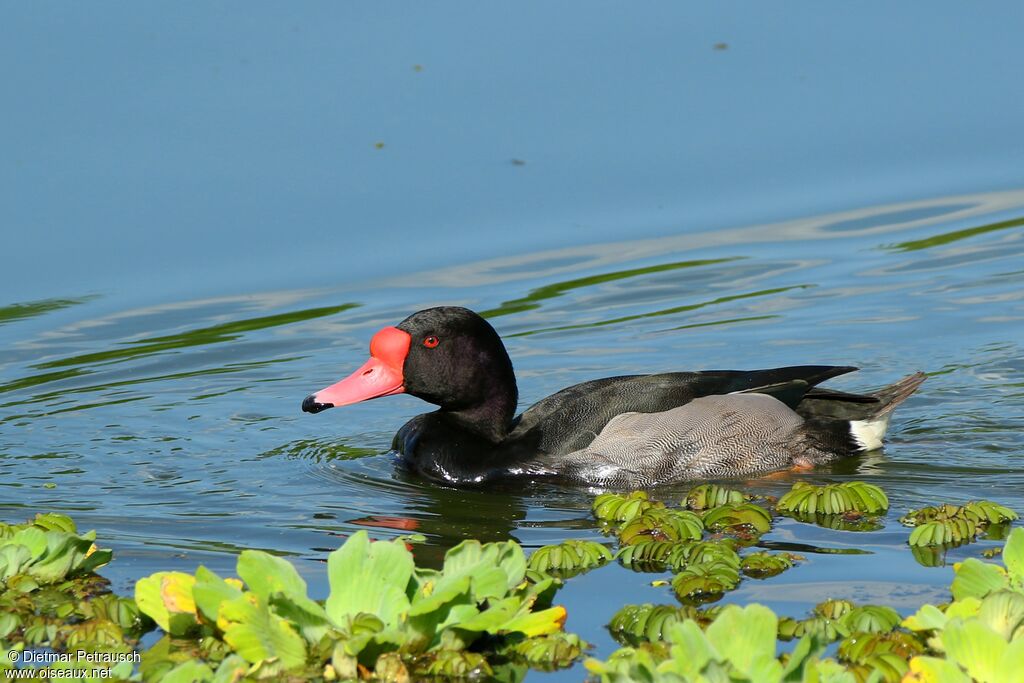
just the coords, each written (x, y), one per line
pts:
(869, 433)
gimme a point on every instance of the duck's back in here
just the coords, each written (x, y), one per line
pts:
(571, 419)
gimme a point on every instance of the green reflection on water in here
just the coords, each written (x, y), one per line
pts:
(227, 369)
(954, 236)
(204, 335)
(668, 311)
(36, 308)
(42, 378)
(531, 300)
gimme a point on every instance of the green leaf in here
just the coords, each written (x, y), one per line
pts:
(265, 574)
(1012, 662)
(300, 611)
(32, 538)
(1013, 554)
(494, 568)
(1003, 612)
(13, 559)
(759, 627)
(64, 554)
(434, 591)
(807, 648)
(210, 590)
(166, 597)
(927, 618)
(256, 634)
(493, 619)
(189, 672)
(975, 578)
(368, 577)
(935, 670)
(8, 622)
(231, 670)
(54, 521)
(976, 648)
(691, 649)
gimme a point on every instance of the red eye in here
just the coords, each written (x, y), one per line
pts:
(431, 341)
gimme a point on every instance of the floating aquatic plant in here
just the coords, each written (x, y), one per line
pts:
(823, 622)
(553, 651)
(762, 565)
(488, 612)
(612, 507)
(660, 556)
(383, 613)
(949, 525)
(833, 499)
(50, 596)
(662, 524)
(868, 619)
(569, 558)
(707, 496)
(859, 647)
(738, 517)
(740, 644)
(705, 581)
(636, 624)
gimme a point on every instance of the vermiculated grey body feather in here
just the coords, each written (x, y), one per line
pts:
(727, 435)
(713, 436)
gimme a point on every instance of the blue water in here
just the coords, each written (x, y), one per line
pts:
(206, 212)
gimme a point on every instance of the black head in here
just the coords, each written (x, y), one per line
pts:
(456, 360)
(448, 356)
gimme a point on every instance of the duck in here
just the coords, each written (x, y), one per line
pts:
(623, 432)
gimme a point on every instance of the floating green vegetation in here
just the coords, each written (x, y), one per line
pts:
(662, 524)
(946, 525)
(762, 565)
(705, 581)
(656, 538)
(50, 596)
(833, 499)
(612, 507)
(383, 615)
(660, 556)
(489, 612)
(708, 496)
(979, 636)
(569, 558)
(746, 519)
(636, 624)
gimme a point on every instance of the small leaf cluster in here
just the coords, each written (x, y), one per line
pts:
(569, 558)
(951, 525)
(637, 624)
(853, 496)
(45, 551)
(707, 496)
